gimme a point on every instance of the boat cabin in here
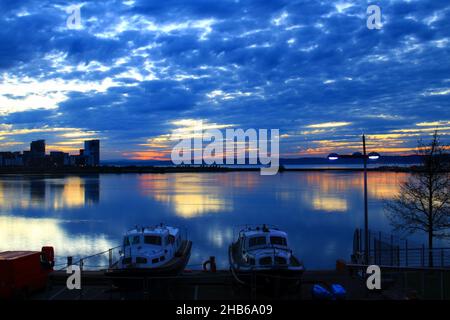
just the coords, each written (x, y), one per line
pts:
(150, 247)
(263, 246)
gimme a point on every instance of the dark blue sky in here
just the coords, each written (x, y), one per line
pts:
(137, 71)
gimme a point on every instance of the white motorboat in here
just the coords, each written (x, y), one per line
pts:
(152, 251)
(263, 251)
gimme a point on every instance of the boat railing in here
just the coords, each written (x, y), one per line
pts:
(104, 259)
(246, 227)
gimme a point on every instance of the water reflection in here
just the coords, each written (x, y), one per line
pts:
(190, 195)
(19, 233)
(48, 193)
(80, 215)
(329, 192)
(329, 204)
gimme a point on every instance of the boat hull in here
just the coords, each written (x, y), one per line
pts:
(270, 278)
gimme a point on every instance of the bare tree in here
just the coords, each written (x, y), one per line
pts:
(423, 203)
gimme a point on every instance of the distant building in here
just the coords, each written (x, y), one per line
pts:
(92, 152)
(26, 158)
(8, 159)
(59, 159)
(37, 148)
(36, 157)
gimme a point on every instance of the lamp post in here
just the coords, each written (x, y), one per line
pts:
(365, 157)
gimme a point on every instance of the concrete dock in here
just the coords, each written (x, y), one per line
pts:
(196, 285)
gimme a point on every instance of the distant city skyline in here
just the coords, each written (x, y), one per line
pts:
(138, 75)
(37, 156)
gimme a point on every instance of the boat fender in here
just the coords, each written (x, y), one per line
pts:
(212, 264)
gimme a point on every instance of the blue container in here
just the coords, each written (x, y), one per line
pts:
(338, 291)
(321, 293)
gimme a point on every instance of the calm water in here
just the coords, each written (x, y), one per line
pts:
(85, 215)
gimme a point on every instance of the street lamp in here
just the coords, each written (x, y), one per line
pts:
(365, 157)
(374, 156)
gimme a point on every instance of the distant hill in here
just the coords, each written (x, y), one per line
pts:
(387, 160)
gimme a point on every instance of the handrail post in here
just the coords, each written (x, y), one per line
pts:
(110, 258)
(81, 271)
(69, 261)
(406, 252)
(423, 255)
(392, 250)
(398, 255)
(379, 247)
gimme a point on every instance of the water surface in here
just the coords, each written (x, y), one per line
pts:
(81, 215)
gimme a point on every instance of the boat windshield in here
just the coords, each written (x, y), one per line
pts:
(256, 241)
(131, 240)
(154, 240)
(279, 241)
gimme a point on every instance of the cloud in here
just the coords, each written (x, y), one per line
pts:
(136, 67)
(329, 125)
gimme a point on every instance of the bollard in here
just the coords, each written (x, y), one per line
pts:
(212, 264)
(69, 261)
(212, 260)
(341, 265)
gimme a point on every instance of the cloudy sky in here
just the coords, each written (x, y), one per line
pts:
(135, 72)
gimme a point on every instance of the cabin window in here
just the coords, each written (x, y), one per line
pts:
(265, 261)
(280, 260)
(136, 240)
(279, 241)
(141, 260)
(171, 239)
(126, 242)
(256, 241)
(126, 260)
(156, 260)
(155, 240)
(162, 258)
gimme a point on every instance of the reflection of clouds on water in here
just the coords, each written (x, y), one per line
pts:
(330, 204)
(48, 193)
(19, 233)
(330, 248)
(220, 236)
(385, 186)
(333, 192)
(189, 195)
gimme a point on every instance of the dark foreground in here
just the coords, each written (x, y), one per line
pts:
(198, 285)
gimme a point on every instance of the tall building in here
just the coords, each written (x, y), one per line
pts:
(92, 152)
(37, 148)
(37, 154)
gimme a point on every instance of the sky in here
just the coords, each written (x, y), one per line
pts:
(135, 73)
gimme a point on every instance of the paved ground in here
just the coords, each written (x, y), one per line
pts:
(197, 285)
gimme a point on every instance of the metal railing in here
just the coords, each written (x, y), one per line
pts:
(100, 260)
(410, 282)
(390, 250)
